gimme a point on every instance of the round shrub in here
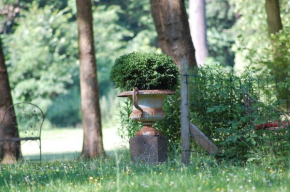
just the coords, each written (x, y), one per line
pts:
(145, 71)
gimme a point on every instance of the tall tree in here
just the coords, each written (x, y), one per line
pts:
(9, 151)
(171, 23)
(197, 23)
(91, 115)
(273, 16)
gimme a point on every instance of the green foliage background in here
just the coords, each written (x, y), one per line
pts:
(42, 55)
(220, 18)
(253, 45)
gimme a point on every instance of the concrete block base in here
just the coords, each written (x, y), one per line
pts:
(151, 149)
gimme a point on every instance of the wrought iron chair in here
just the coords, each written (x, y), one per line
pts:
(22, 122)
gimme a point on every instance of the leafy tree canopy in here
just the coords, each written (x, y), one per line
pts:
(42, 55)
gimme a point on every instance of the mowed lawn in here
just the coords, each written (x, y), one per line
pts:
(118, 173)
(62, 171)
(66, 144)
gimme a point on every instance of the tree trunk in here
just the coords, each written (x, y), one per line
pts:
(273, 16)
(91, 115)
(9, 151)
(171, 23)
(197, 23)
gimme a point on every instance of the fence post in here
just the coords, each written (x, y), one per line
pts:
(185, 136)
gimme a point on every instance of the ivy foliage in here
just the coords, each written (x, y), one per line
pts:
(145, 71)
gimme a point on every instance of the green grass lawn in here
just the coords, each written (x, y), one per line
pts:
(117, 173)
(61, 171)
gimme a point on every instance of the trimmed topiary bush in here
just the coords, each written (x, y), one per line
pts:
(145, 71)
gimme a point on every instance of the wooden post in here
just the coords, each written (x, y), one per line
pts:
(185, 136)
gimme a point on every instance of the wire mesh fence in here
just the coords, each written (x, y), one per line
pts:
(247, 116)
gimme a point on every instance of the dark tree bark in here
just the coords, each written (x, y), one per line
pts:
(91, 115)
(171, 23)
(273, 16)
(9, 151)
(197, 21)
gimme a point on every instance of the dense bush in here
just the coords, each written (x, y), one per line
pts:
(145, 71)
(226, 107)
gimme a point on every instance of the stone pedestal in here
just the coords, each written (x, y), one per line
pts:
(151, 149)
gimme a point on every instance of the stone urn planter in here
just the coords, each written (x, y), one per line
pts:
(148, 145)
(147, 108)
(149, 72)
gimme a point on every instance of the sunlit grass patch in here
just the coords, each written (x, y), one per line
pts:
(118, 173)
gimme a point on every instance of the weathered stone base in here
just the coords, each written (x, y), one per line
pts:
(151, 149)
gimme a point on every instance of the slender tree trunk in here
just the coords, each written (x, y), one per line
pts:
(273, 16)
(9, 151)
(171, 23)
(197, 23)
(91, 115)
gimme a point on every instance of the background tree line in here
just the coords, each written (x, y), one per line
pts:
(42, 57)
